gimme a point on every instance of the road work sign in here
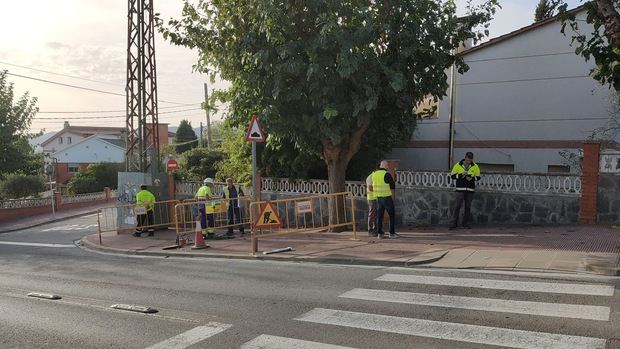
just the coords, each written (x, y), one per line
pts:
(268, 217)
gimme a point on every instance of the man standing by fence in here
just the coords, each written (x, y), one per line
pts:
(204, 195)
(231, 193)
(466, 173)
(383, 187)
(145, 202)
(372, 207)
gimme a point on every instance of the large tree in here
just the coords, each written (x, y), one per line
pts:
(601, 44)
(321, 73)
(185, 137)
(16, 154)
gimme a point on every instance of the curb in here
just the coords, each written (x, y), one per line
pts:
(602, 266)
(54, 220)
(88, 245)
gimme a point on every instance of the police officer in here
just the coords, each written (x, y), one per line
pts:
(383, 187)
(466, 173)
(231, 194)
(145, 201)
(204, 195)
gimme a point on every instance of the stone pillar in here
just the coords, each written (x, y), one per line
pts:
(589, 183)
(108, 194)
(58, 200)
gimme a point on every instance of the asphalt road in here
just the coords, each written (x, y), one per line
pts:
(218, 303)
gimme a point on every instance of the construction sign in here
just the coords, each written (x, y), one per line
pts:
(255, 132)
(268, 217)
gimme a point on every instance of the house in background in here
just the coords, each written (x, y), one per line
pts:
(94, 149)
(526, 98)
(75, 147)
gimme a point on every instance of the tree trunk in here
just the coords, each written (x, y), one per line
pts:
(337, 158)
(611, 20)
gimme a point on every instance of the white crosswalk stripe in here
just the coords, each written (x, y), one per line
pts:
(574, 311)
(274, 342)
(544, 287)
(451, 331)
(191, 337)
(72, 227)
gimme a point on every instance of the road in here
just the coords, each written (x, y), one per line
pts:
(219, 303)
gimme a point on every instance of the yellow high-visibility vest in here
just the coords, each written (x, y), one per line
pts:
(379, 187)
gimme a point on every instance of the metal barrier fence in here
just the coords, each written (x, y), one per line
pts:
(123, 218)
(187, 213)
(302, 215)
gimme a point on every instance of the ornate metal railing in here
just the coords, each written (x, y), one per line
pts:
(492, 182)
(21, 203)
(497, 182)
(189, 189)
(88, 197)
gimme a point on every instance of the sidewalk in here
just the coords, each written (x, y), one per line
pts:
(33, 221)
(577, 249)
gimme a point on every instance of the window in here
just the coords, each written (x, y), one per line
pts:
(68, 140)
(59, 140)
(558, 169)
(501, 168)
(74, 168)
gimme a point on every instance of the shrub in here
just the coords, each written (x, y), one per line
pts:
(94, 178)
(16, 186)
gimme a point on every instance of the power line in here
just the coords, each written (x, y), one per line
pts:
(111, 111)
(108, 116)
(59, 74)
(60, 121)
(81, 87)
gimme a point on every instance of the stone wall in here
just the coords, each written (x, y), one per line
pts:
(423, 207)
(608, 198)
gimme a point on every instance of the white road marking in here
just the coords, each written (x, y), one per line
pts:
(72, 227)
(273, 342)
(546, 287)
(451, 331)
(34, 244)
(573, 311)
(192, 336)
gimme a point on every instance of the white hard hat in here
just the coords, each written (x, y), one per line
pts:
(208, 181)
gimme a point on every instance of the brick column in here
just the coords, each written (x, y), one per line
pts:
(58, 200)
(589, 183)
(108, 194)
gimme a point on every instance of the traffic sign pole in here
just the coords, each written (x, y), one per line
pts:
(254, 134)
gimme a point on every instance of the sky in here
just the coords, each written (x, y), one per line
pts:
(87, 39)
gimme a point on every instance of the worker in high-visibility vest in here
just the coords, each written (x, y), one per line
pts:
(204, 195)
(232, 194)
(372, 207)
(145, 201)
(466, 173)
(383, 187)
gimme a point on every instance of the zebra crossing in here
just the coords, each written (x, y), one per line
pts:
(474, 334)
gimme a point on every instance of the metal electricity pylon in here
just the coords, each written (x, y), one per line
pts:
(142, 120)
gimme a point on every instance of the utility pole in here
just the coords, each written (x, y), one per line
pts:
(208, 116)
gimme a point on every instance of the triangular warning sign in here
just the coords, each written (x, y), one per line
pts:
(255, 132)
(268, 217)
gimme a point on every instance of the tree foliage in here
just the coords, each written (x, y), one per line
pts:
(17, 186)
(94, 178)
(322, 73)
(201, 162)
(237, 161)
(546, 9)
(16, 154)
(601, 44)
(185, 137)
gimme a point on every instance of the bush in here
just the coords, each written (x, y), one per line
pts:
(201, 162)
(17, 186)
(94, 178)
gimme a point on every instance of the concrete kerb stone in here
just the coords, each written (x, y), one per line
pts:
(432, 257)
(54, 220)
(602, 265)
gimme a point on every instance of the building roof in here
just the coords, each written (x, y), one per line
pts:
(520, 31)
(93, 138)
(84, 130)
(116, 142)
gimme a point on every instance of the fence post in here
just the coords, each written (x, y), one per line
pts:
(108, 194)
(589, 183)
